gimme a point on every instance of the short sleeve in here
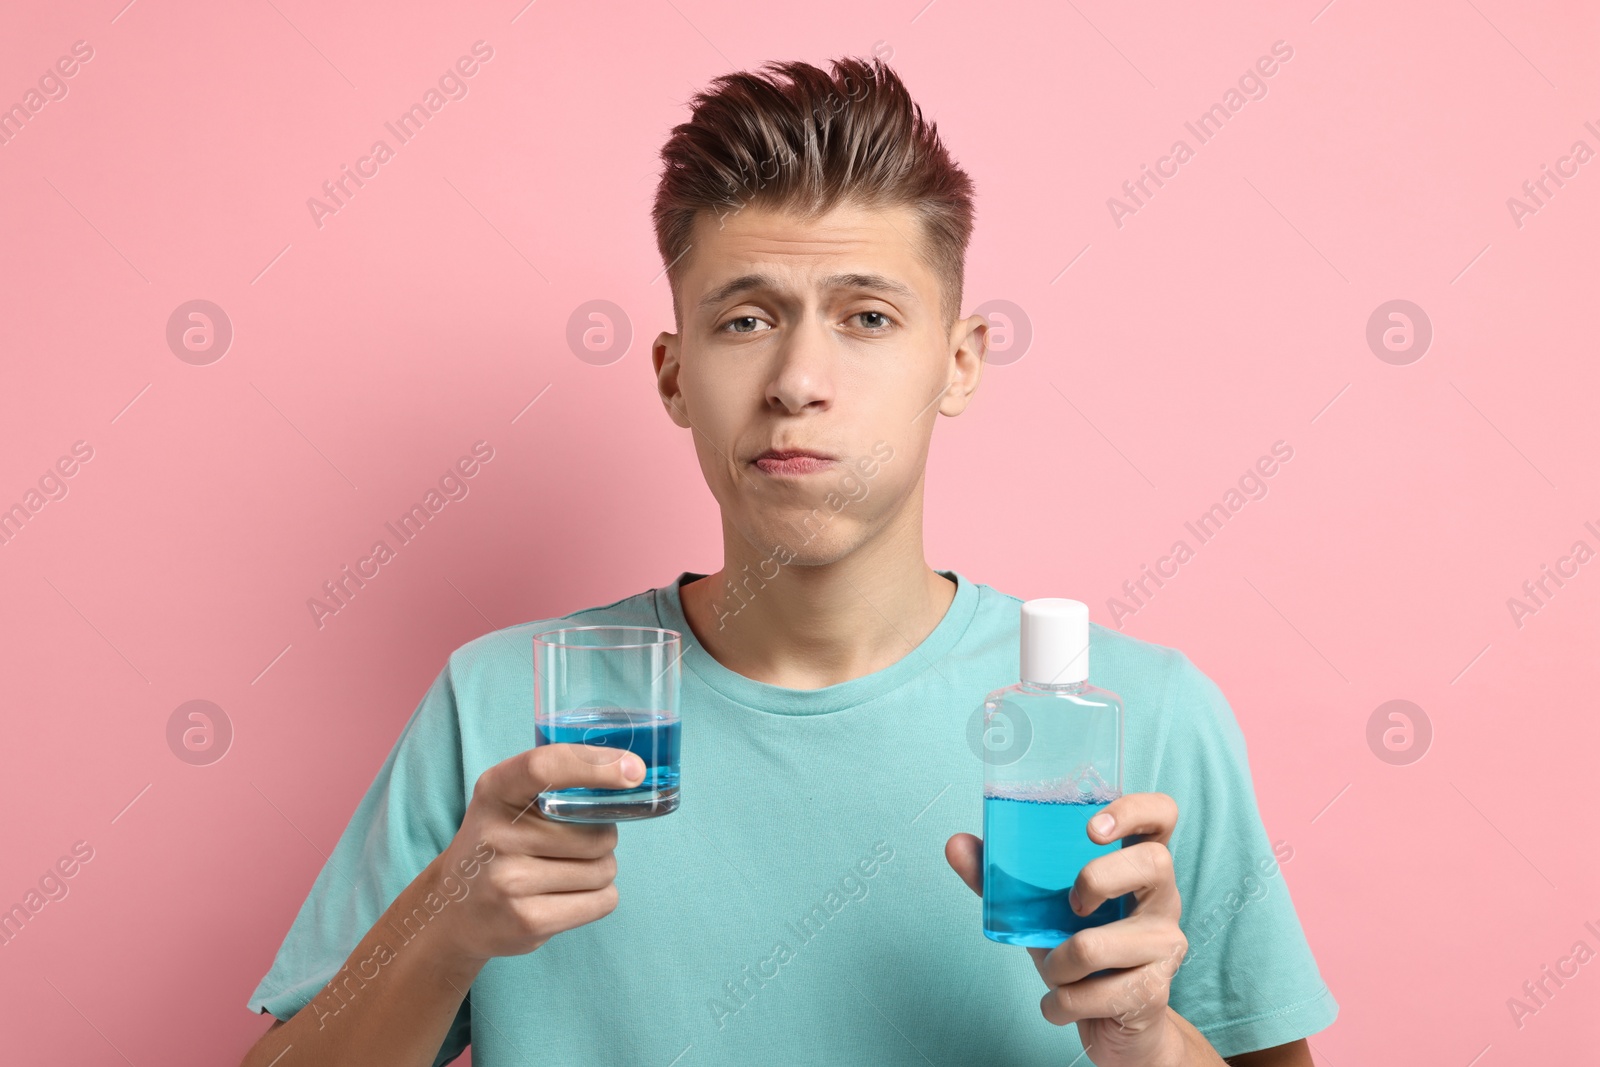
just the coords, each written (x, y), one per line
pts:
(408, 816)
(1249, 980)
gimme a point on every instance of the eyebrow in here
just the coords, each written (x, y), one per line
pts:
(750, 282)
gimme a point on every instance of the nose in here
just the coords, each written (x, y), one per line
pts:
(803, 374)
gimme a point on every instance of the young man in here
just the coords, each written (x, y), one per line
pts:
(797, 908)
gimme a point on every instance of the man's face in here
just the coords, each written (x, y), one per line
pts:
(823, 336)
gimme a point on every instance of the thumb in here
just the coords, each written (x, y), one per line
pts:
(964, 853)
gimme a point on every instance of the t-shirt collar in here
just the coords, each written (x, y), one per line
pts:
(779, 700)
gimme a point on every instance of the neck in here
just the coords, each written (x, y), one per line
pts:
(805, 626)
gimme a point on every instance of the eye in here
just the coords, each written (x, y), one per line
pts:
(735, 325)
(880, 326)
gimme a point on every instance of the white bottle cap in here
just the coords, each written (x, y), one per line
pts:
(1055, 641)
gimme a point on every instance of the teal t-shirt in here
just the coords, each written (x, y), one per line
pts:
(798, 907)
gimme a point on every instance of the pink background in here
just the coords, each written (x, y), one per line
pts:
(368, 354)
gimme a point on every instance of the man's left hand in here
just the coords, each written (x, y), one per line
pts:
(1123, 1019)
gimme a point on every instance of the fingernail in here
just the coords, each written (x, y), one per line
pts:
(1102, 824)
(632, 768)
(1072, 898)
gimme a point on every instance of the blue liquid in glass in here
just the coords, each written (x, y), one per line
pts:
(1033, 851)
(651, 735)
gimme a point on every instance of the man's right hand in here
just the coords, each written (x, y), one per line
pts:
(543, 876)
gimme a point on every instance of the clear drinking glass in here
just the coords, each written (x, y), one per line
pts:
(614, 687)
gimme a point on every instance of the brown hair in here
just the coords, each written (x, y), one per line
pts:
(805, 145)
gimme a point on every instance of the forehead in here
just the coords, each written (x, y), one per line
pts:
(803, 253)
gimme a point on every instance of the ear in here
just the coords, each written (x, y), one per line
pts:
(969, 343)
(664, 358)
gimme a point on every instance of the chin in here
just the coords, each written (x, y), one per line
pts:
(805, 544)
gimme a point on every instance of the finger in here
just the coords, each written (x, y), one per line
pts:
(517, 781)
(964, 853)
(1144, 869)
(1151, 816)
(526, 878)
(1125, 943)
(528, 833)
(552, 913)
(1121, 996)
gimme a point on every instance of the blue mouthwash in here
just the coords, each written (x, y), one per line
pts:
(1052, 761)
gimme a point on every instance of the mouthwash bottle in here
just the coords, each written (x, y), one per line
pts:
(1052, 748)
